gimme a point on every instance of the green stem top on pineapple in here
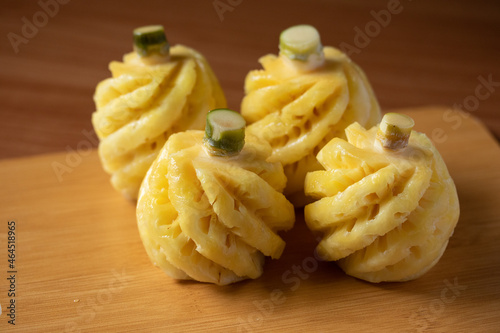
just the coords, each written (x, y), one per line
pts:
(224, 132)
(302, 43)
(150, 41)
(394, 131)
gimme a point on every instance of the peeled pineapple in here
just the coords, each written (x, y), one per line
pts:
(385, 210)
(213, 218)
(302, 99)
(151, 95)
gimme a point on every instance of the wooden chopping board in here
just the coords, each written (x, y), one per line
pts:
(81, 267)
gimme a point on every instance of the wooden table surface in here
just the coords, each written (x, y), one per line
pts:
(52, 54)
(415, 53)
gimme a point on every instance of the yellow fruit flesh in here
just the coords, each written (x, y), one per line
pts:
(298, 112)
(385, 216)
(141, 106)
(209, 218)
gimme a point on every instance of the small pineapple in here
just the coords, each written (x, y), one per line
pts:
(386, 204)
(302, 99)
(209, 207)
(156, 91)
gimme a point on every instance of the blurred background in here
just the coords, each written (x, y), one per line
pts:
(415, 53)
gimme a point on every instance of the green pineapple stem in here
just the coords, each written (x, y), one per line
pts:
(394, 131)
(224, 132)
(151, 41)
(300, 42)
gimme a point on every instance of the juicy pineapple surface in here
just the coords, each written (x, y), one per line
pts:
(385, 216)
(142, 105)
(298, 112)
(209, 218)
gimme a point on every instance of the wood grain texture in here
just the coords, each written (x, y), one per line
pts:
(82, 268)
(429, 53)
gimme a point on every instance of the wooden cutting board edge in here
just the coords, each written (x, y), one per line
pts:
(43, 287)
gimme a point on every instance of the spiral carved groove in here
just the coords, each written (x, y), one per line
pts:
(213, 219)
(141, 106)
(299, 112)
(383, 216)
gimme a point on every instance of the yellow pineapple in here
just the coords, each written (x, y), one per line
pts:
(386, 204)
(156, 91)
(302, 99)
(209, 208)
